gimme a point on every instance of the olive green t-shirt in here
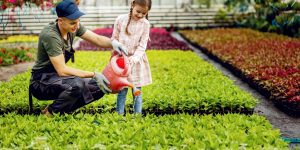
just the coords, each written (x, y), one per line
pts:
(51, 44)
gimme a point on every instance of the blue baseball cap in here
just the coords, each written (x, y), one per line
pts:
(68, 9)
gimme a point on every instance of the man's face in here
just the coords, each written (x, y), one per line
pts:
(69, 25)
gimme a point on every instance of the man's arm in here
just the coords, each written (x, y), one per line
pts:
(63, 70)
(103, 41)
(96, 39)
(59, 64)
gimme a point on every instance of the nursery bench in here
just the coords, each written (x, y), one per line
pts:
(31, 23)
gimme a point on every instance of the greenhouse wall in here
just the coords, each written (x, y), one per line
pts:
(106, 3)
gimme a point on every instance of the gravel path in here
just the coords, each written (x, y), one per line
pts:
(6, 72)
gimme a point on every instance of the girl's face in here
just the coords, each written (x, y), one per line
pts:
(139, 12)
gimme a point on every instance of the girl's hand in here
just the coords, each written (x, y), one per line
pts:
(133, 59)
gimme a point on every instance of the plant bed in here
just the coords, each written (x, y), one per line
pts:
(204, 90)
(19, 39)
(9, 56)
(112, 131)
(160, 38)
(236, 71)
(254, 64)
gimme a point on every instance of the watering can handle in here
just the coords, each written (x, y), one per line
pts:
(126, 69)
(114, 53)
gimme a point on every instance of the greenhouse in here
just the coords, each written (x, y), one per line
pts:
(150, 74)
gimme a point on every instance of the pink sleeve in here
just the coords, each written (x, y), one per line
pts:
(116, 31)
(142, 43)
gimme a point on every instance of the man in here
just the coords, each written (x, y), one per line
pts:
(52, 79)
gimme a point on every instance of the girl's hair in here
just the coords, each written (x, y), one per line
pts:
(147, 3)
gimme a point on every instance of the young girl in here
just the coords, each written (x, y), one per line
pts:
(132, 30)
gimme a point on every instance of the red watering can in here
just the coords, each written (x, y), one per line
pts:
(117, 71)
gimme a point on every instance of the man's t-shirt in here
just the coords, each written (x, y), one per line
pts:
(51, 44)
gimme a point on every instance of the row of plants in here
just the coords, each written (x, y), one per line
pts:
(9, 56)
(113, 131)
(17, 49)
(278, 16)
(204, 90)
(269, 61)
(160, 38)
(184, 83)
(19, 39)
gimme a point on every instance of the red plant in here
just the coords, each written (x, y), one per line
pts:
(3, 50)
(29, 55)
(160, 38)
(44, 4)
(269, 59)
(15, 55)
(3, 6)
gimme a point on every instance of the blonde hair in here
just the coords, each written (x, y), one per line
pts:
(147, 3)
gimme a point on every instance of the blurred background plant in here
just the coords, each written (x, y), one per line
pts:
(28, 41)
(280, 16)
(19, 38)
(205, 3)
(43, 4)
(9, 56)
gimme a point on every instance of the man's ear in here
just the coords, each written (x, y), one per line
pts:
(59, 20)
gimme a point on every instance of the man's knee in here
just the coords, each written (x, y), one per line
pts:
(77, 84)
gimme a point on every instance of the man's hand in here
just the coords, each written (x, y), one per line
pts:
(102, 82)
(119, 47)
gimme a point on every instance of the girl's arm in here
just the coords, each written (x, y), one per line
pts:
(138, 54)
(116, 31)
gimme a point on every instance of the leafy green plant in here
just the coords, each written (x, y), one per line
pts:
(184, 83)
(268, 15)
(206, 3)
(221, 15)
(113, 131)
(20, 38)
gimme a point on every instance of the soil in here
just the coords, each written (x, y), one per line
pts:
(288, 126)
